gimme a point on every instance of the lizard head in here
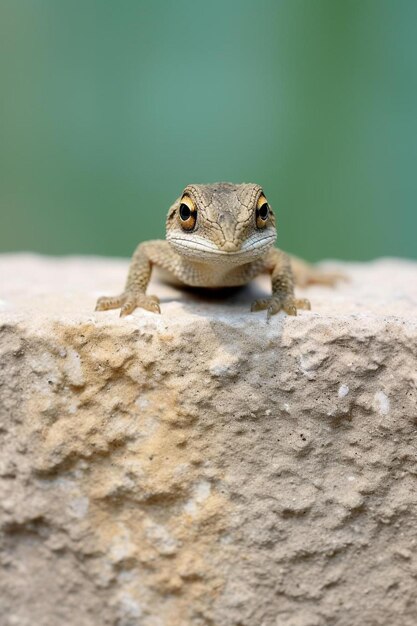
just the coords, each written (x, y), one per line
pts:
(221, 222)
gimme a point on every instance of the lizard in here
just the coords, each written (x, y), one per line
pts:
(218, 235)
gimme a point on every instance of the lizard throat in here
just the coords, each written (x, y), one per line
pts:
(201, 249)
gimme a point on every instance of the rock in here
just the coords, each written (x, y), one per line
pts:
(205, 467)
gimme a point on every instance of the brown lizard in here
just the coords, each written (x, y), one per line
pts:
(218, 235)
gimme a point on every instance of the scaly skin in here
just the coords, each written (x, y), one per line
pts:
(223, 237)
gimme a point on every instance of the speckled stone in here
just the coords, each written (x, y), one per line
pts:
(205, 467)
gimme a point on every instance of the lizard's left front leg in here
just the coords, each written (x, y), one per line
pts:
(283, 298)
(134, 294)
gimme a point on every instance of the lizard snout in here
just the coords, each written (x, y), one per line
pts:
(230, 246)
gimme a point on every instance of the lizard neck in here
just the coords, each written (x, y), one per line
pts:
(218, 274)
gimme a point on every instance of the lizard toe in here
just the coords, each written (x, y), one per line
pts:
(128, 307)
(260, 305)
(105, 303)
(289, 307)
(151, 303)
(303, 303)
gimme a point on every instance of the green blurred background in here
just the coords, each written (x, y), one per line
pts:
(109, 108)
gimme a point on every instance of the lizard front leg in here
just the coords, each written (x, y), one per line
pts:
(134, 294)
(282, 299)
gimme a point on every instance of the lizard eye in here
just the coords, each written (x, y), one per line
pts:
(262, 211)
(187, 213)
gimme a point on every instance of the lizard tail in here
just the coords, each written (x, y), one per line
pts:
(307, 274)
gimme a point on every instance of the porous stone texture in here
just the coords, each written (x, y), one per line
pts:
(205, 467)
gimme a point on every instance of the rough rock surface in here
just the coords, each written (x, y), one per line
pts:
(203, 467)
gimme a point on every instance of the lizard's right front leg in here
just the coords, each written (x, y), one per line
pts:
(134, 294)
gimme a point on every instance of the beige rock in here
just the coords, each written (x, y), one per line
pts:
(205, 467)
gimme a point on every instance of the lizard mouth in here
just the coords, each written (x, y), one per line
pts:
(200, 248)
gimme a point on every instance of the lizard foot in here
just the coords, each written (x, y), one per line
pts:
(274, 304)
(128, 302)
